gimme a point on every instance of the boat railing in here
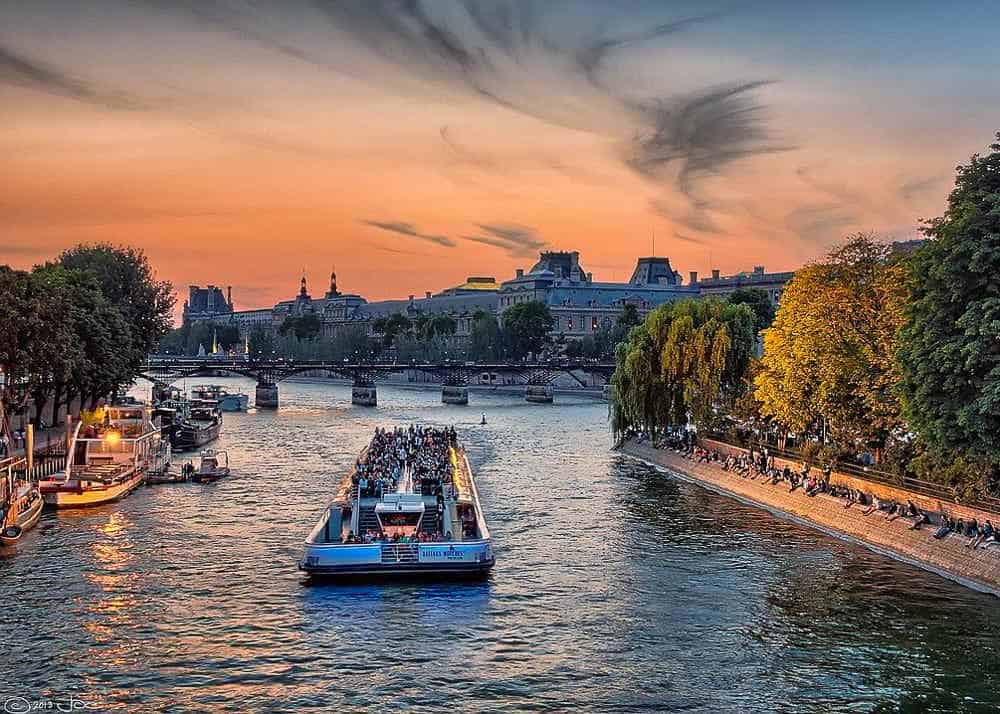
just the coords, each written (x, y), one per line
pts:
(484, 531)
(400, 553)
(356, 510)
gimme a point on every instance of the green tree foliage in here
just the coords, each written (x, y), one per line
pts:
(127, 281)
(759, 302)
(304, 327)
(686, 362)
(261, 343)
(629, 317)
(828, 357)
(526, 327)
(80, 326)
(949, 352)
(485, 338)
(392, 326)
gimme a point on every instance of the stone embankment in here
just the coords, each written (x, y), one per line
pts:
(948, 557)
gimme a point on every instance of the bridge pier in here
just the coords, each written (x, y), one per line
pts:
(267, 395)
(454, 394)
(539, 393)
(606, 392)
(364, 393)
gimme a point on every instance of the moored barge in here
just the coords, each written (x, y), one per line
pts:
(108, 459)
(409, 507)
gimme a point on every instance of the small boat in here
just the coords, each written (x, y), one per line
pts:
(202, 425)
(211, 469)
(107, 460)
(422, 517)
(168, 475)
(23, 513)
(228, 401)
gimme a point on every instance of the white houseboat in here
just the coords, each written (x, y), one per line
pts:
(107, 459)
(420, 520)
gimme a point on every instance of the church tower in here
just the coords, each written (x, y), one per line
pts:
(333, 292)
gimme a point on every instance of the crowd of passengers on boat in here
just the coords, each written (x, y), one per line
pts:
(424, 453)
(423, 450)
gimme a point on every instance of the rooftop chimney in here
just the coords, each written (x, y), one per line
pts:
(229, 295)
(411, 298)
(427, 294)
(520, 272)
(694, 277)
(715, 274)
(758, 270)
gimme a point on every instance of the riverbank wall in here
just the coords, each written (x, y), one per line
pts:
(978, 569)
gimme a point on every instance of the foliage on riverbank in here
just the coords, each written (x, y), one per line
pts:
(886, 349)
(77, 327)
(687, 360)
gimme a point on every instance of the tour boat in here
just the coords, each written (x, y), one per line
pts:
(211, 469)
(24, 507)
(416, 532)
(107, 460)
(228, 401)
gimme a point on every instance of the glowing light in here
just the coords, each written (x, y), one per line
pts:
(112, 438)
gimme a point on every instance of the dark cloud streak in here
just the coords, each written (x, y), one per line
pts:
(19, 70)
(409, 230)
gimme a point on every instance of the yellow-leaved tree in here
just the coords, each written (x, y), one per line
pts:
(828, 362)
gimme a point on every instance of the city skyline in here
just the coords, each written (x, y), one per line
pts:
(413, 149)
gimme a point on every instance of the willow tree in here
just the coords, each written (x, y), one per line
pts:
(828, 357)
(684, 363)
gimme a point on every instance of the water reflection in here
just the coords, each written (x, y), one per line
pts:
(616, 588)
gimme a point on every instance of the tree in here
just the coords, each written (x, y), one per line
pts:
(304, 327)
(629, 317)
(390, 327)
(261, 343)
(127, 281)
(759, 302)
(526, 327)
(686, 362)
(949, 350)
(485, 338)
(33, 331)
(828, 357)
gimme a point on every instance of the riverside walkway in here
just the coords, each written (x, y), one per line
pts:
(949, 557)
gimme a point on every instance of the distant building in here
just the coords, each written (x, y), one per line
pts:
(723, 286)
(580, 306)
(207, 302)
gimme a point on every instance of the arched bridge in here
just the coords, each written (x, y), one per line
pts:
(537, 377)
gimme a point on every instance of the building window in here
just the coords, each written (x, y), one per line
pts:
(569, 324)
(593, 323)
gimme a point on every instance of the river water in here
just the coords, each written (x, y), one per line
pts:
(616, 589)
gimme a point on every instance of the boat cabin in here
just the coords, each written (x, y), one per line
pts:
(400, 514)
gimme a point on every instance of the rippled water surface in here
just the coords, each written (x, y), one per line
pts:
(616, 589)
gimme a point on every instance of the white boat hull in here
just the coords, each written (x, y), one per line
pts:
(64, 495)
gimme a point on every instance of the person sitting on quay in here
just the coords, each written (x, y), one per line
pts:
(987, 535)
(947, 527)
(971, 532)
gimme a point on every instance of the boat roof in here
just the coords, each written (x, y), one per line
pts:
(400, 503)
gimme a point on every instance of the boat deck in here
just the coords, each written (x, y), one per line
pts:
(424, 518)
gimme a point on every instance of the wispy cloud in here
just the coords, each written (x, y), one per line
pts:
(517, 241)
(409, 230)
(20, 70)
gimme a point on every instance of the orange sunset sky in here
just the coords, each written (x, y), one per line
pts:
(411, 145)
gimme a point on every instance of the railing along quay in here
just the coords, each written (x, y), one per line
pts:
(884, 478)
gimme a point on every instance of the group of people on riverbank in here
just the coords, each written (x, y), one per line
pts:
(759, 464)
